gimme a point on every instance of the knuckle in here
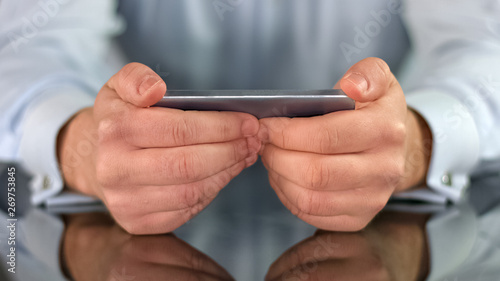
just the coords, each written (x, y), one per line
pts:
(394, 174)
(396, 133)
(240, 148)
(182, 132)
(108, 129)
(283, 137)
(192, 197)
(183, 168)
(104, 173)
(218, 181)
(225, 130)
(317, 175)
(328, 139)
(306, 204)
(109, 172)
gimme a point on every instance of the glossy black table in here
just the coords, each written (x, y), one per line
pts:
(247, 234)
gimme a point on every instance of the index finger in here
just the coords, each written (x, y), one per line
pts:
(165, 127)
(338, 132)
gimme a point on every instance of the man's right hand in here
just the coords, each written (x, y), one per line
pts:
(154, 168)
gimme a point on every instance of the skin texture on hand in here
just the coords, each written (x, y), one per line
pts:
(392, 248)
(154, 168)
(337, 171)
(94, 248)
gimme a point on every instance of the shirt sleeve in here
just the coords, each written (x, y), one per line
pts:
(453, 82)
(52, 55)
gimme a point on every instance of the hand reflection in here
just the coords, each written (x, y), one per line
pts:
(392, 247)
(96, 248)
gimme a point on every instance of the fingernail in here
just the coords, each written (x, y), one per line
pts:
(249, 127)
(358, 80)
(253, 145)
(250, 160)
(147, 84)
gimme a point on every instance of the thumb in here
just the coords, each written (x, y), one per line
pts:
(137, 84)
(367, 80)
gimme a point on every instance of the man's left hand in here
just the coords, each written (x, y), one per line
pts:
(337, 171)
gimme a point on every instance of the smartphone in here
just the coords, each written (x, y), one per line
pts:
(260, 103)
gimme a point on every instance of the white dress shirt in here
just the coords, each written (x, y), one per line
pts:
(54, 58)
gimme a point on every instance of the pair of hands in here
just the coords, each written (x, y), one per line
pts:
(155, 168)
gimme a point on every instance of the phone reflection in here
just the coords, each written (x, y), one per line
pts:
(96, 248)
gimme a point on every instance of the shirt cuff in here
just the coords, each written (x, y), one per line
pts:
(38, 147)
(455, 144)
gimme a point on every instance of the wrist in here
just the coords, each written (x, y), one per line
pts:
(418, 150)
(76, 145)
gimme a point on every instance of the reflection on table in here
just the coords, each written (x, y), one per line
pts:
(407, 241)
